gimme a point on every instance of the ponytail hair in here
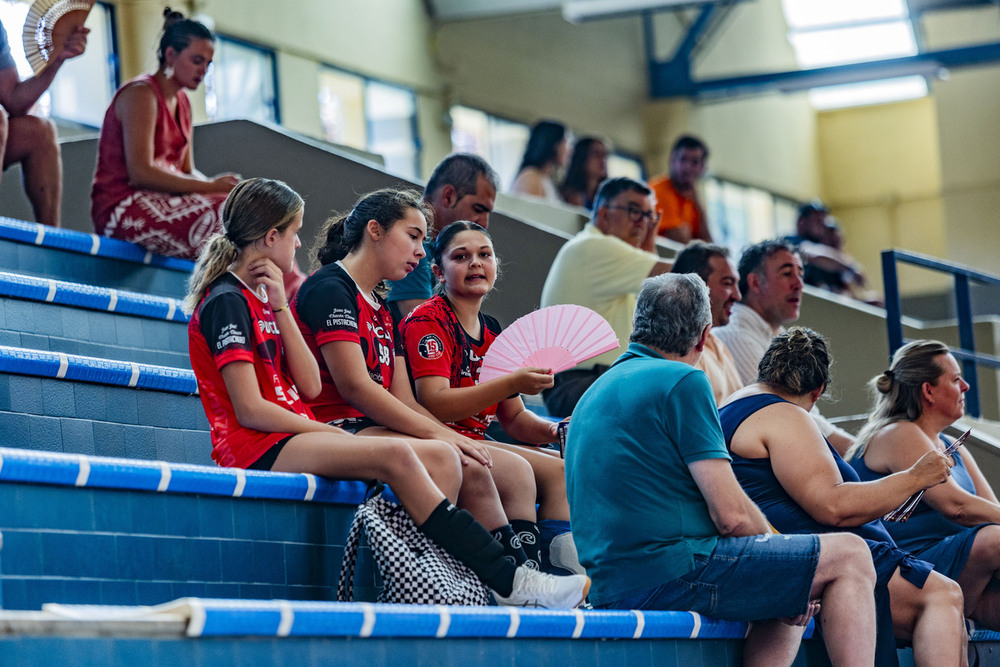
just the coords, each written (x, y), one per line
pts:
(341, 235)
(252, 209)
(897, 391)
(178, 33)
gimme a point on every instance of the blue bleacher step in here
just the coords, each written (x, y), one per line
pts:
(65, 403)
(284, 618)
(59, 316)
(100, 530)
(27, 247)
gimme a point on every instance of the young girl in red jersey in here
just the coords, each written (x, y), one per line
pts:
(366, 388)
(251, 363)
(445, 340)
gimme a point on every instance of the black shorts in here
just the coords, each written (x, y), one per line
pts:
(268, 458)
(353, 425)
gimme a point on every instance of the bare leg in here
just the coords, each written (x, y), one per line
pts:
(771, 644)
(389, 459)
(932, 617)
(477, 494)
(979, 579)
(550, 481)
(845, 585)
(515, 482)
(32, 141)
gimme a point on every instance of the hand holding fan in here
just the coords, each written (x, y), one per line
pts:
(48, 25)
(556, 337)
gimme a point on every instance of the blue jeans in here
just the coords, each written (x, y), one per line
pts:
(744, 579)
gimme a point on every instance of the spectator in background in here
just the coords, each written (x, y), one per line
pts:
(462, 187)
(32, 140)
(602, 268)
(682, 217)
(587, 170)
(713, 265)
(771, 286)
(546, 152)
(146, 189)
(820, 243)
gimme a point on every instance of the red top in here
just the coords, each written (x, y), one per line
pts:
(437, 345)
(240, 327)
(171, 140)
(675, 209)
(329, 307)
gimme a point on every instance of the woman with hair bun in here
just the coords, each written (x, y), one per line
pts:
(803, 485)
(344, 319)
(146, 189)
(955, 526)
(546, 152)
(252, 364)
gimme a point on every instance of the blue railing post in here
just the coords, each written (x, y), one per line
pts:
(967, 341)
(893, 307)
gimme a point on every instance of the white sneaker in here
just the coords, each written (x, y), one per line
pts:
(537, 589)
(562, 554)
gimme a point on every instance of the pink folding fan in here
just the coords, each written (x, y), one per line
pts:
(556, 337)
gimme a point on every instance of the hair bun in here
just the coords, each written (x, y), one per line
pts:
(884, 382)
(171, 17)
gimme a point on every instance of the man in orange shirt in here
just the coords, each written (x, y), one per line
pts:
(681, 215)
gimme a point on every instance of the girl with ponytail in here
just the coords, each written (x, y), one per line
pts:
(955, 526)
(254, 368)
(366, 387)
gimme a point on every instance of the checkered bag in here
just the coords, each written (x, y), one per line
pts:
(413, 568)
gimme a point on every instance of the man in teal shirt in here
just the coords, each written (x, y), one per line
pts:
(659, 519)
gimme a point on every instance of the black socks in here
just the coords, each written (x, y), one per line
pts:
(458, 533)
(530, 541)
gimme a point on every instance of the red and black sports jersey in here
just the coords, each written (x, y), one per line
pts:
(232, 324)
(437, 345)
(329, 307)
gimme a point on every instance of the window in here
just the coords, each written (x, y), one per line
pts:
(371, 115)
(241, 83)
(85, 85)
(836, 32)
(742, 214)
(500, 142)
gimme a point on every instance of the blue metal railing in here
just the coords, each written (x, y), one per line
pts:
(962, 275)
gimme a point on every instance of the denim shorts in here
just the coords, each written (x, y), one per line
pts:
(744, 579)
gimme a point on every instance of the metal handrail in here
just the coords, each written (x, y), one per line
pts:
(966, 351)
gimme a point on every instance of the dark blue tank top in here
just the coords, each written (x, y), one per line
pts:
(926, 526)
(758, 480)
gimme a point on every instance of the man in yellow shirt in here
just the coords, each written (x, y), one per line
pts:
(602, 268)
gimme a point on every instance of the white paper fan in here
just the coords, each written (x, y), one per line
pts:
(47, 25)
(556, 337)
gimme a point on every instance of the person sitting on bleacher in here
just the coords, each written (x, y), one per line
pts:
(32, 140)
(462, 186)
(146, 189)
(955, 526)
(445, 340)
(251, 362)
(365, 386)
(601, 268)
(659, 519)
(713, 265)
(803, 486)
(546, 152)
